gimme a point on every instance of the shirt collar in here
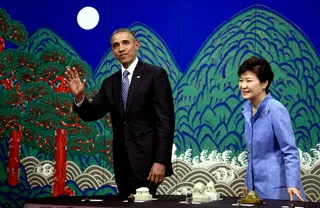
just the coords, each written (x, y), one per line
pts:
(264, 102)
(248, 106)
(131, 67)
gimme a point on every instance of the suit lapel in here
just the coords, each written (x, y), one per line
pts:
(135, 81)
(118, 91)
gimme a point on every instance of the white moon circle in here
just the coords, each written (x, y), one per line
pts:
(88, 18)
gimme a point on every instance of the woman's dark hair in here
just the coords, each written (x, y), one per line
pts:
(260, 67)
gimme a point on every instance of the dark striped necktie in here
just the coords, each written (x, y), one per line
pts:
(125, 88)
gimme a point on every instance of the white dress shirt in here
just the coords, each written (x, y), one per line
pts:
(130, 69)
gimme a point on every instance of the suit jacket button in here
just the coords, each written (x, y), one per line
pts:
(124, 122)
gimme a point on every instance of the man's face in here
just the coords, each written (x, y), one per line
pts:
(124, 48)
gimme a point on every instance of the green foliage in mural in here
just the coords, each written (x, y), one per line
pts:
(33, 77)
(12, 30)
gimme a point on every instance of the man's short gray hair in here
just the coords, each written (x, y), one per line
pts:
(120, 30)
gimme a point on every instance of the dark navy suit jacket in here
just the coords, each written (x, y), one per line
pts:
(147, 126)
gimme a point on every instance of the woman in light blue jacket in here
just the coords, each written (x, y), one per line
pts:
(273, 170)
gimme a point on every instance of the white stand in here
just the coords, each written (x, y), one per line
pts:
(211, 192)
(213, 196)
(199, 193)
(202, 199)
(142, 194)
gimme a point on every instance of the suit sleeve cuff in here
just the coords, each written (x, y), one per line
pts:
(161, 157)
(79, 103)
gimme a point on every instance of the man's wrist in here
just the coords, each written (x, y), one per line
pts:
(79, 98)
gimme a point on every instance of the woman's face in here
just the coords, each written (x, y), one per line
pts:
(250, 86)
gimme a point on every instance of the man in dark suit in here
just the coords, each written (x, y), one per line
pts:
(139, 100)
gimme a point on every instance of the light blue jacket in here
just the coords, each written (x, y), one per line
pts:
(273, 158)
